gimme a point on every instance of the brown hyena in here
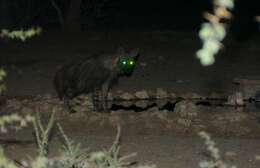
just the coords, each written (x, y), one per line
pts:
(96, 73)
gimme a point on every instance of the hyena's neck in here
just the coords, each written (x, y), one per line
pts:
(110, 62)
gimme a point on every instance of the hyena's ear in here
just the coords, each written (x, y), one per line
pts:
(120, 51)
(134, 53)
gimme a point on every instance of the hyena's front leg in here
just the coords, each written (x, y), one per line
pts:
(104, 93)
(96, 98)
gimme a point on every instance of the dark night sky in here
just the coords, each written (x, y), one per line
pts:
(159, 15)
(180, 15)
(183, 9)
(176, 15)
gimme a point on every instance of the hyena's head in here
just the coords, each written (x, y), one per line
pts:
(126, 61)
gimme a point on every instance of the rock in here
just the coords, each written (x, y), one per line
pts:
(161, 94)
(160, 103)
(127, 96)
(141, 103)
(191, 95)
(173, 95)
(125, 103)
(142, 95)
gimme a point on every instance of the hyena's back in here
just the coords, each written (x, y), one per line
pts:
(82, 77)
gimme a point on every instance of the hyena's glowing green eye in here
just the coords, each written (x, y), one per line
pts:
(124, 62)
(131, 62)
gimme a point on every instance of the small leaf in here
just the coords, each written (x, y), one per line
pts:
(206, 58)
(212, 46)
(206, 31)
(220, 32)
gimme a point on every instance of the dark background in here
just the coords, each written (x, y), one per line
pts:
(123, 15)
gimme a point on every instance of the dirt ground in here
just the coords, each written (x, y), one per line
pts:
(167, 138)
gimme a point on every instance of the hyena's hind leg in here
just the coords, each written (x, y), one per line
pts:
(67, 100)
(67, 103)
(104, 94)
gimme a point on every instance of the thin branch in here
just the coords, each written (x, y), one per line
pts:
(59, 12)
